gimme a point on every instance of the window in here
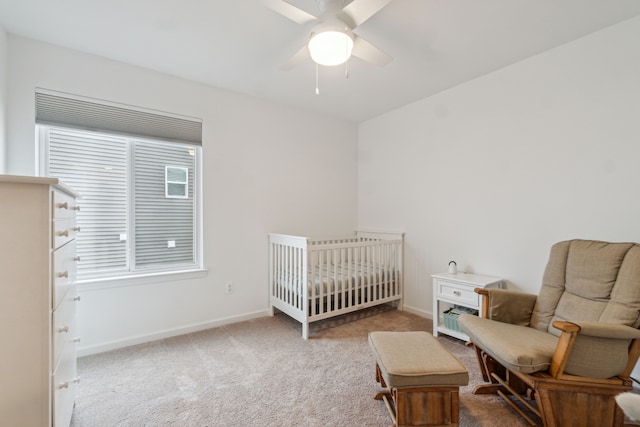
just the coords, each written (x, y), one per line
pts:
(139, 205)
(176, 182)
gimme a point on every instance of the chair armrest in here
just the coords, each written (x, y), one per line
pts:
(613, 335)
(605, 330)
(564, 347)
(507, 306)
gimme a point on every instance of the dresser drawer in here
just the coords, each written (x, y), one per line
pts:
(65, 381)
(64, 205)
(458, 293)
(64, 230)
(65, 267)
(64, 331)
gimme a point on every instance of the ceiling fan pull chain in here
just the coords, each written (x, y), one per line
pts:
(317, 90)
(348, 55)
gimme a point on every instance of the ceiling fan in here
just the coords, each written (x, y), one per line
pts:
(332, 41)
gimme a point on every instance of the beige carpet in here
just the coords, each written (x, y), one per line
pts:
(261, 373)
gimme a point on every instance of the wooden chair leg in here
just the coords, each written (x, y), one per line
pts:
(489, 367)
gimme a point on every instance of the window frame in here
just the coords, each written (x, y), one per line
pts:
(144, 274)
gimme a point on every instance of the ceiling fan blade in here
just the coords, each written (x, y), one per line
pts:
(289, 11)
(358, 11)
(300, 56)
(368, 52)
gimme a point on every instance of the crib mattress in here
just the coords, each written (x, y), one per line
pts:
(328, 279)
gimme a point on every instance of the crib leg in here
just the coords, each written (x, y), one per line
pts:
(305, 330)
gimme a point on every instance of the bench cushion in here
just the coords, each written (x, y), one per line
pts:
(415, 359)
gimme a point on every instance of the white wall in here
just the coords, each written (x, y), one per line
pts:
(266, 168)
(3, 97)
(491, 173)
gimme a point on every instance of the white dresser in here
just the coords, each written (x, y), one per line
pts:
(454, 293)
(38, 306)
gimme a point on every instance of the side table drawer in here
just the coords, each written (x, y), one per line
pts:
(459, 294)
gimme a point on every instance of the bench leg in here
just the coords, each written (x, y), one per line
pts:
(379, 377)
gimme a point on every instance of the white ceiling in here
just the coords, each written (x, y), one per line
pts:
(240, 45)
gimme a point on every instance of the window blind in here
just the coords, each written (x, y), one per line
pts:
(58, 109)
(96, 166)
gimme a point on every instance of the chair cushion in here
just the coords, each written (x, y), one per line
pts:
(414, 359)
(589, 280)
(516, 347)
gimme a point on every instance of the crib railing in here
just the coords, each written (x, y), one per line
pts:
(352, 273)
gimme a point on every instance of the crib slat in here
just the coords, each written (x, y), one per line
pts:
(278, 280)
(369, 251)
(350, 272)
(273, 270)
(323, 280)
(332, 304)
(291, 267)
(314, 268)
(290, 276)
(394, 262)
(302, 283)
(297, 289)
(301, 280)
(344, 281)
(384, 272)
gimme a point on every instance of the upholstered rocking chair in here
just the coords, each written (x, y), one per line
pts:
(567, 352)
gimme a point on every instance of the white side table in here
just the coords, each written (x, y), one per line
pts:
(457, 290)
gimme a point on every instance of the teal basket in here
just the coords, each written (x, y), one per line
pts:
(451, 317)
(451, 320)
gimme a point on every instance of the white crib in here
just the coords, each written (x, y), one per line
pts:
(311, 280)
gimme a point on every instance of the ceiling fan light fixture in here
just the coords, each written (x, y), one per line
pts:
(330, 47)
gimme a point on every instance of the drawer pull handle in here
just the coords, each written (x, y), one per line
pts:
(76, 228)
(76, 298)
(63, 385)
(64, 205)
(63, 274)
(63, 329)
(64, 233)
(76, 339)
(77, 258)
(76, 208)
(457, 293)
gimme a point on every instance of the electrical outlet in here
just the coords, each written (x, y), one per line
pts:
(228, 287)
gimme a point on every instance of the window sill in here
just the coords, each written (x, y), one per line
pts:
(139, 279)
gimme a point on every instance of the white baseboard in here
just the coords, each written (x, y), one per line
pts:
(417, 311)
(167, 333)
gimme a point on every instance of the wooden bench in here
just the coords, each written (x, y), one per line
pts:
(421, 377)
